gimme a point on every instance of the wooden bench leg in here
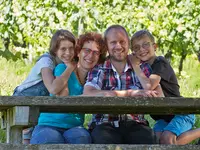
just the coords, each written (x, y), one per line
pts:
(16, 135)
(13, 134)
(13, 130)
(7, 127)
(17, 118)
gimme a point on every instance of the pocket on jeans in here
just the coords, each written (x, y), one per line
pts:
(30, 92)
(43, 91)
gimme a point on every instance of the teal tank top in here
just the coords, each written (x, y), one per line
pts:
(64, 120)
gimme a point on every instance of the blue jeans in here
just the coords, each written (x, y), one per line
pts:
(43, 134)
(38, 89)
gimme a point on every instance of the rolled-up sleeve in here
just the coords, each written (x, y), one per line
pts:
(60, 68)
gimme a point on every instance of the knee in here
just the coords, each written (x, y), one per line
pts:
(26, 135)
(167, 139)
(77, 135)
(46, 135)
(77, 131)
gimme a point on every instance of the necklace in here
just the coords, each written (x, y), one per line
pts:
(78, 77)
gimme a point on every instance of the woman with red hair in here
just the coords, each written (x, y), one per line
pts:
(65, 127)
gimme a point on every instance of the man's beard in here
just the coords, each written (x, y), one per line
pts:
(114, 58)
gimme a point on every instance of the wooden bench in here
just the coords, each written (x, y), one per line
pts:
(21, 112)
(96, 147)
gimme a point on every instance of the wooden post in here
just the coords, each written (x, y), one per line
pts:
(3, 119)
(7, 127)
(18, 118)
(16, 134)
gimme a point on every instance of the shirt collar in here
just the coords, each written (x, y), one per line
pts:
(108, 65)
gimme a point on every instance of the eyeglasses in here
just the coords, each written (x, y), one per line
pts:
(136, 48)
(87, 51)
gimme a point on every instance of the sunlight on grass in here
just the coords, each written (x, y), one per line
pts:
(12, 74)
(189, 80)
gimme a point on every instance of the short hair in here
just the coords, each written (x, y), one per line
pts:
(115, 27)
(59, 36)
(96, 37)
(140, 34)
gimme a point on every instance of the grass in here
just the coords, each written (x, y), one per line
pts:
(13, 73)
(2, 136)
(189, 80)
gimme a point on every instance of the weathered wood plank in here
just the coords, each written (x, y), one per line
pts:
(34, 113)
(96, 147)
(24, 111)
(15, 135)
(16, 119)
(3, 119)
(20, 115)
(7, 126)
(166, 105)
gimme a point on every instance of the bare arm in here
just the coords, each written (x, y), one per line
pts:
(151, 83)
(147, 83)
(56, 85)
(92, 91)
(64, 92)
(154, 81)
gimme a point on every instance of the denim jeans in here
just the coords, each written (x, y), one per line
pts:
(36, 90)
(43, 134)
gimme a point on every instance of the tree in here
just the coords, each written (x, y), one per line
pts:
(27, 26)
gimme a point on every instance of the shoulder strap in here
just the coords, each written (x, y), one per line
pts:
(45, 55)
(49, 56)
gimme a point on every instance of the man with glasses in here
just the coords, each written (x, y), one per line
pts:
(116, 78)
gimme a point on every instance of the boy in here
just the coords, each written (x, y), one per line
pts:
(171, 129)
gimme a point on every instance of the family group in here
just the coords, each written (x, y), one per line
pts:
(101, 65)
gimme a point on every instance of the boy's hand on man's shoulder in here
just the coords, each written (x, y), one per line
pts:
(134, 61)
(72, 65)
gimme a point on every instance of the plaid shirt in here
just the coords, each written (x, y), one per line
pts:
(105, 77)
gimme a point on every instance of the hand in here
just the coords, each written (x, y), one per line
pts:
(110, 93)
(71, 65)
(106, 93)
(143, 93)
(134, 61)
(102, 93)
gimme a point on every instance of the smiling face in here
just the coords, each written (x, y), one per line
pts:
(144, 48)
(65, 51)
(118, 45)
(89, 55)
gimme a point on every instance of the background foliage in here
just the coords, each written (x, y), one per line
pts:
(26, 26)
